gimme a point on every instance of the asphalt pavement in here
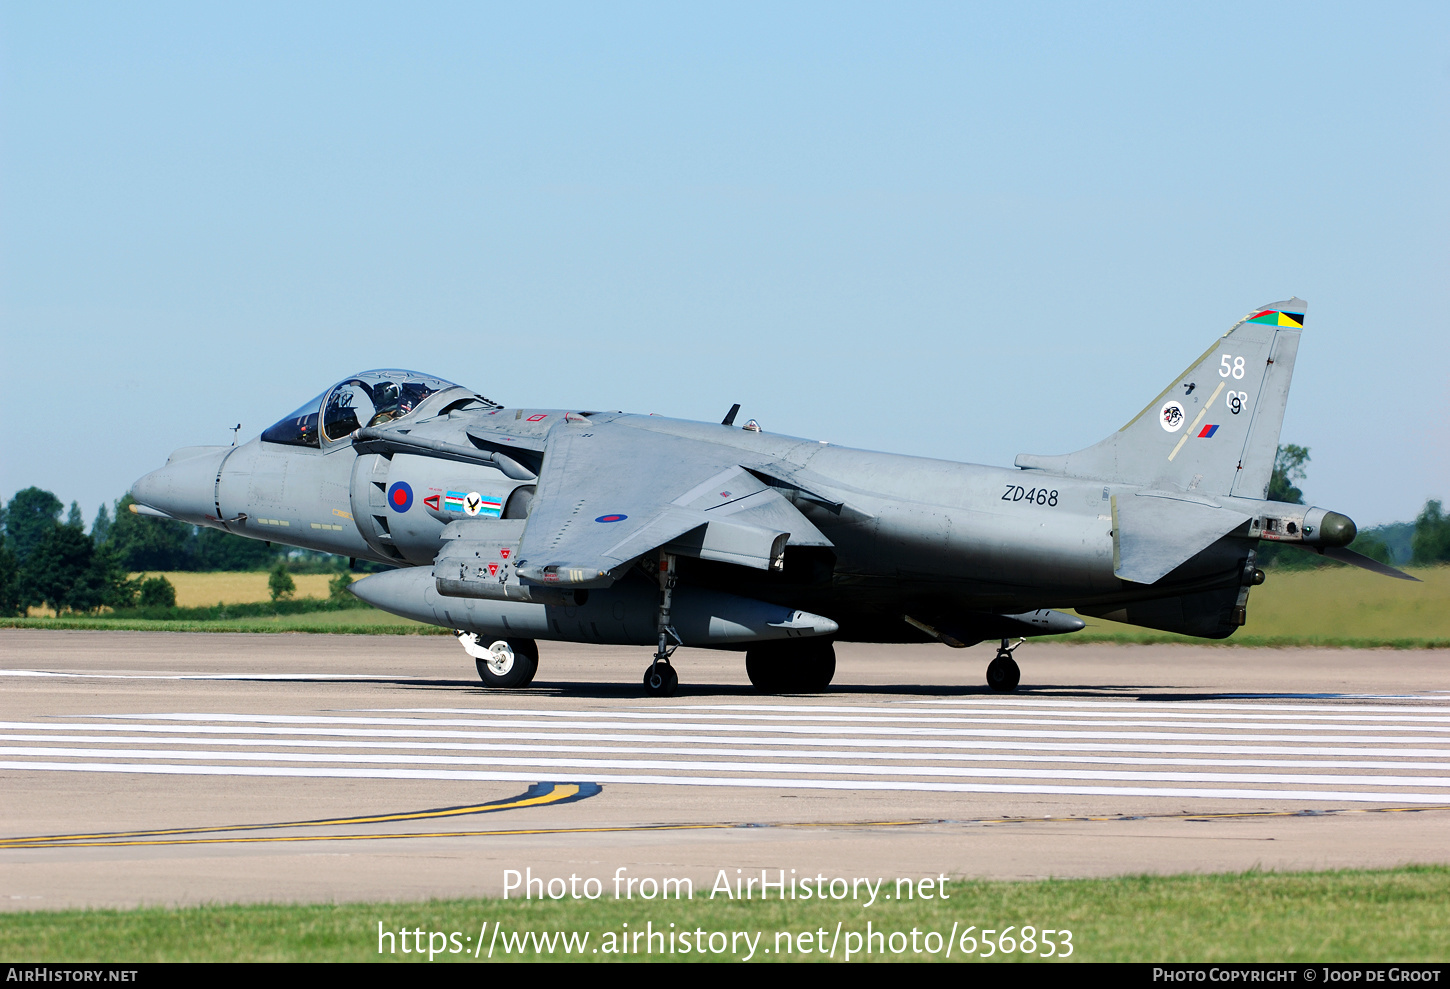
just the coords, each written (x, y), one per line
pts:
(168, 768)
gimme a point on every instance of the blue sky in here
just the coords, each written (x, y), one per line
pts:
(961, 231)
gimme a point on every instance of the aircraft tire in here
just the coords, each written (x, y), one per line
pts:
(1003, 674)
(661, 680)
(512, 664)
(818, 668)
(791, 666)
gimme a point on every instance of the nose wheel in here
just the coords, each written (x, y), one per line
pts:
(1002, 672)
(502, 663)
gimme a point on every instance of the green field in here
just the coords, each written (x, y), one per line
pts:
(1331, 606)
(1396, 915)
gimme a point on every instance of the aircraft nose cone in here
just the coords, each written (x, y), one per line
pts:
(186, 487)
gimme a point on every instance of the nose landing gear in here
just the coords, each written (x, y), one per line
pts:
(661, 680)
(502, 663)
(1002, 672)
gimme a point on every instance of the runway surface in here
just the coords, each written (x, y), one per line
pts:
(173, 768)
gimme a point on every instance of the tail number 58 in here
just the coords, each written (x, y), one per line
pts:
(1236, 369)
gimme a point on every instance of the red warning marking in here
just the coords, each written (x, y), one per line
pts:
(493, 569)
(539, 418)
(432, 502)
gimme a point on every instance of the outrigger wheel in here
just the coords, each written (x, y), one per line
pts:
(1002, 672)
(660, 679)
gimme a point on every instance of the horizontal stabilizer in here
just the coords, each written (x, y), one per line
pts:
(1152, 536)
(1345, 555)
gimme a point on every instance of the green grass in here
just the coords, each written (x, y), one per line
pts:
(1392, 915)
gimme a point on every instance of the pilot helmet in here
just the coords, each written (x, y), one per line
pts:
(385, 394)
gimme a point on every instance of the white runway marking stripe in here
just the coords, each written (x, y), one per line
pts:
(553, 764)
(1061, 709)
(593, 746)
(1350, 751)
(1360, 747)
(856, 728)
(783, 783)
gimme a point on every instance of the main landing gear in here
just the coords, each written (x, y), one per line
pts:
(791, 666)
(1002, 672)
(661, 680)
(504, 663)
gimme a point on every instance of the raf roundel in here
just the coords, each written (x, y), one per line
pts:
(1171, 416)
(611, 518)
(400, 496)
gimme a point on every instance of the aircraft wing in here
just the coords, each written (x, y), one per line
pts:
(609, 493)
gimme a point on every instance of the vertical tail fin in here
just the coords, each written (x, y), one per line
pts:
(1215, 428)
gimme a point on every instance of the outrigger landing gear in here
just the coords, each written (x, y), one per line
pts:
(660, 680)
(1002, 672)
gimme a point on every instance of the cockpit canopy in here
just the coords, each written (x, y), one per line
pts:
(369, 398)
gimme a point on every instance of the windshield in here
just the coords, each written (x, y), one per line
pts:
(372, 398)
(297, 429)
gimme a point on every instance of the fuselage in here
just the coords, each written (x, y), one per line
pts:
(911, 536)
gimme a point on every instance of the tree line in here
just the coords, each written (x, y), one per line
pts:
(1424, 542)
(55, 563)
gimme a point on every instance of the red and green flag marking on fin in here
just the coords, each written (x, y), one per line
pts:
(1275, 318)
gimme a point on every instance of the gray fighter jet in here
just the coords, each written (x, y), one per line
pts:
(511, 525)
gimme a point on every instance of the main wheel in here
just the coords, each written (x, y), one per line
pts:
(508, 663)
(791, 666)
(817, 667)
(660, 680)
(1003, 674)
